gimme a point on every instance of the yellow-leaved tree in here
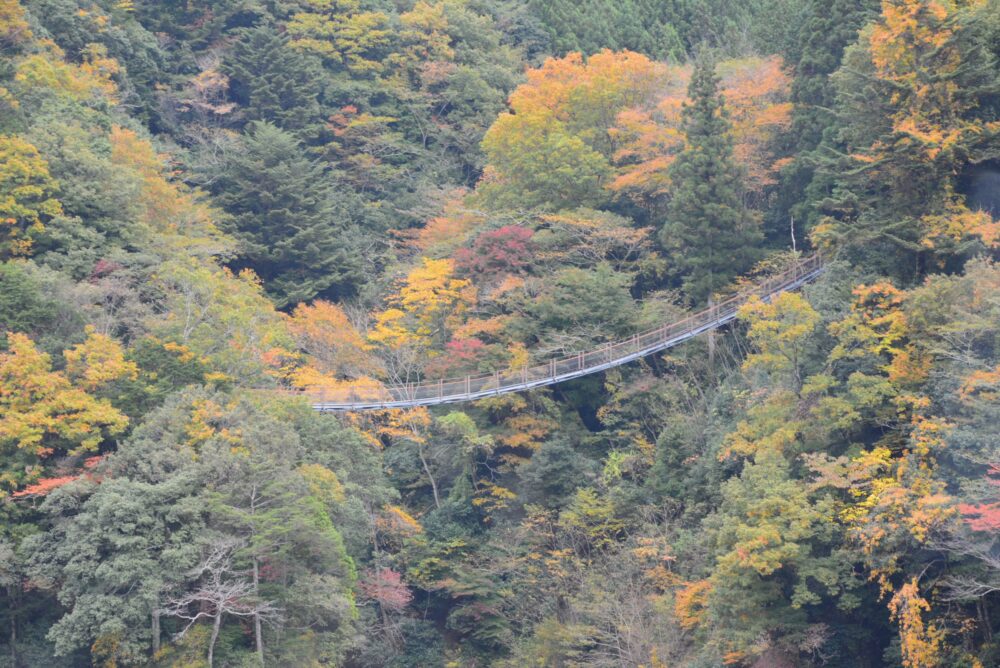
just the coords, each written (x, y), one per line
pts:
(420, 310)
(46, 413)
(420, 317)
(26, 196)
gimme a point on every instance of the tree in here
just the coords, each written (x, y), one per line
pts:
(554, 472)
(709, 235)
(648, 139)
(274, 82)
(26, 196)
(326, 334)
(295, 229)
(535, 162)
(45, 412)
(46, 76)
(222, 321)
(13, 23)
(504, 250)
(577, 307)
(343, 34)
(645, 27)
(555, 146)
(423, 310)
(781, 330)
(29, 304)
(222, 591)
(166, 207)
(775, 558)
(385, 587)
(911, 108)
(97, 362)
(830, 28)
(119, 540)
(285, 552)
(756, 93)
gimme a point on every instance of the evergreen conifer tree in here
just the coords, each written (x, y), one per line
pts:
(274, 82)
(709, 234)
(831, 27)
(294, 230)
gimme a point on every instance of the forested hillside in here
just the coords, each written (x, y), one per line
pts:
(213, 210)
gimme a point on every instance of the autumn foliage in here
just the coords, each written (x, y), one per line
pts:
(218, 218)
(46, 413)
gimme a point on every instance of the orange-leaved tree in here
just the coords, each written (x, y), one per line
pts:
(555, 146)
(169, 209)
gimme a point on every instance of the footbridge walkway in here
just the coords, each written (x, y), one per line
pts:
(557, 370)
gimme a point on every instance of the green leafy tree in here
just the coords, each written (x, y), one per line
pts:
(581, 306)
(599, 24)
(708, 233)
(114, 549)
(773, 557)
(542, 163)
(28, 304)
(829, 28)
(278, 513)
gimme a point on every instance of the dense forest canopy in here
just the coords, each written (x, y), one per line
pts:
(210, 209)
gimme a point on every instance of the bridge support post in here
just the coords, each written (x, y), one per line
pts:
(713, 317)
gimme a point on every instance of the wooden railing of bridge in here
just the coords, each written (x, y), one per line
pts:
(557, 370)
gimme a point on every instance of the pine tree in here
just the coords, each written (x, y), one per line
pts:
(829, 29)
(832, 26)
(273, 81)
(294, 228)
(709, 234)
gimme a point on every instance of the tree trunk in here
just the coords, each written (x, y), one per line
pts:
(258, 637)
(427, 469)
(11, 594)
(215, 636)
(988, 624)
(156, 628)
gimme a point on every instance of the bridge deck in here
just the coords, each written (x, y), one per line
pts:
(430, 393)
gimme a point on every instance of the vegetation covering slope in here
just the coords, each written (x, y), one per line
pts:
(206, 204)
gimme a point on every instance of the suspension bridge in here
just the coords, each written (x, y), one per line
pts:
(430, 393)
